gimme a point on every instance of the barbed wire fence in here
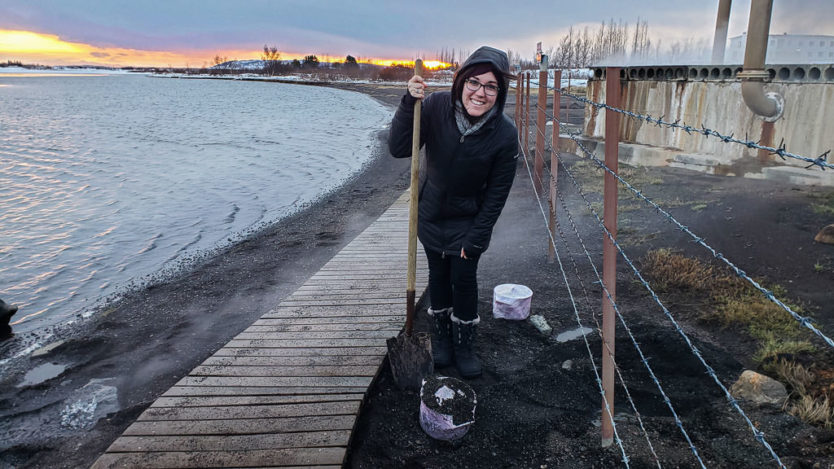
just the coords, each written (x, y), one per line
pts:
(537, 175)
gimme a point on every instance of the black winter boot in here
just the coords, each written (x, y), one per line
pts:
(441, 336)
(463, 336)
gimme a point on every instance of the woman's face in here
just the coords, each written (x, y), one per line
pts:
(479, 102)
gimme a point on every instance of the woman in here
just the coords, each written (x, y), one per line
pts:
(471, 151)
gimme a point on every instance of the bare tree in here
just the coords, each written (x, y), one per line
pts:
(271, 58)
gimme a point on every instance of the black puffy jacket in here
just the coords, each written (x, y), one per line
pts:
(467, 179)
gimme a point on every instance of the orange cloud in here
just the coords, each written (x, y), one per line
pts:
(48, 49)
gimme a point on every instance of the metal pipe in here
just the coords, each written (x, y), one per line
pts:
(767, 105)
(722, 23)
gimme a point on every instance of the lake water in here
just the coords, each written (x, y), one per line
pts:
(105, 179)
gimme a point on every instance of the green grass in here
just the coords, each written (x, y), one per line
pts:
(732, 302)
(824, 204)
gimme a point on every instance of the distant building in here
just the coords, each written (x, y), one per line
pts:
(786, 49)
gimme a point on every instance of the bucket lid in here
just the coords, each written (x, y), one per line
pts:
(511, 290)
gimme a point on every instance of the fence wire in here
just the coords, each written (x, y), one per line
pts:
(805, 321)
(608, 408)
(609, 298)
(599, 327)
(780, 151)
(758, 435)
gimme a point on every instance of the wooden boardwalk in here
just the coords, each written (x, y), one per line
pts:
(286, 392)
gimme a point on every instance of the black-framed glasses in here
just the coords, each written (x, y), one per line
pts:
(474, 85)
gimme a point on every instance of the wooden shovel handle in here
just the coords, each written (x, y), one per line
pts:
(411, 283)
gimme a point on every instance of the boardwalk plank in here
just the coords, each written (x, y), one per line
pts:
(330, 360)
(231, 442)
(276, 381)
(339, 287)
(182, 459)
(305, 343)
(338, 320)
(288, 371)
(298, 352)
(249, 412)
(241, 427)
(355, 326)
(218, 391)
(333, 334)
(212, 401)
(337, 295)
(336, 302)
(333, 311)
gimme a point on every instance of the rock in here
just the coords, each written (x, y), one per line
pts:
(573, 334)
(759, 389)
(6, 313)
(93, 401)
(541, 324)
(48, 348)
(826, 235)
(567, 364)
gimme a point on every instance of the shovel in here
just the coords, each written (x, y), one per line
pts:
(409, 354)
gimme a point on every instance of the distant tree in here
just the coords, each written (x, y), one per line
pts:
(396, 72)
(296, 63)
(311, 61)
(272, 60)
(218, 59)
(350, 62)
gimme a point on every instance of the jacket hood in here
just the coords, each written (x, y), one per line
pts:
(499, 61)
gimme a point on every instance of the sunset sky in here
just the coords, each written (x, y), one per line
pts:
(190, 32)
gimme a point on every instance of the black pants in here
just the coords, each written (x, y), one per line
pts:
(453, 281)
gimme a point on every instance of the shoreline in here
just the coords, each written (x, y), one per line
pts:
(147, 339)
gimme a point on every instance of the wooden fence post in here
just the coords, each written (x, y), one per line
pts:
(527, 117)
(554, 158)
(609, 251)
(519, 102)
(541, 119)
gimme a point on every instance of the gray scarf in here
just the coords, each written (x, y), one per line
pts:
(468, 128)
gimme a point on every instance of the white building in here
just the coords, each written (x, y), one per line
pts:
(786, 49)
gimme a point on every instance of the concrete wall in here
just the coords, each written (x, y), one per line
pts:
(807, 125)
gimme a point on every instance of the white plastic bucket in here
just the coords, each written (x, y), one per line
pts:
(511, 301)
(447, 407)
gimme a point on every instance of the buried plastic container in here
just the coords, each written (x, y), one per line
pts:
(511, 301)
(447, 407)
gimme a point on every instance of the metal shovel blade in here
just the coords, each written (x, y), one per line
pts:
(410, 359)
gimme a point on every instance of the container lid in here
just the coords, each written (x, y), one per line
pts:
(513, 291)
